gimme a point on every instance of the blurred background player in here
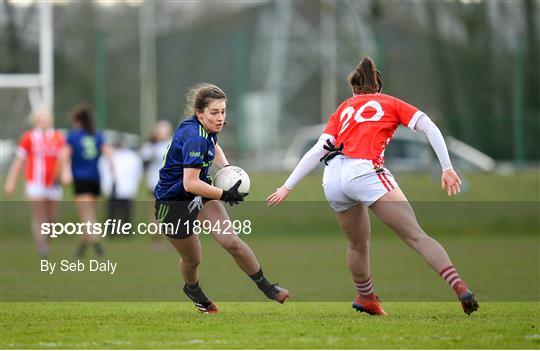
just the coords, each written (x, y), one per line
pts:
(122, 187)
(352, 145)
(152, 153)
(80, 165)
(184, 193)
(38, 152)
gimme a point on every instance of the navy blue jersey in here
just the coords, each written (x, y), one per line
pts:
(86, 150)
(190, 147)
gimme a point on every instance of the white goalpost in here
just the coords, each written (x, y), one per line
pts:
(39, 86)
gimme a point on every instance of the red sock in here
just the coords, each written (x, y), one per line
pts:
(451, 276)
(365, 289)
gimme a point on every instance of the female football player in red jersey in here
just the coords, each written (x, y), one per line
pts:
(39, 150)
(352, 145)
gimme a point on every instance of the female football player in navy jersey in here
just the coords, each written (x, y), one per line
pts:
(80, 157)
(353, 145)
(185, 193)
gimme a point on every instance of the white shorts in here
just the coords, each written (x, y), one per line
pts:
(349, 181)
(40, 191)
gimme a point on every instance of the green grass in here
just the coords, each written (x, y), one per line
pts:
(491, 231)
(312, 267)
(417, 186)
(267, 325)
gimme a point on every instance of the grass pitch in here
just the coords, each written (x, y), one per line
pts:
(264, 325)
(491, 233)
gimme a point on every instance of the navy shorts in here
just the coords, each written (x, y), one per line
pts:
(84, 186)
(178, 217)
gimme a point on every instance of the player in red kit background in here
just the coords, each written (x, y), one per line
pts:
(352, 145)
(38, 152)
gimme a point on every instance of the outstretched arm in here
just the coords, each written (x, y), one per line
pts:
(310, 160)
(13, 173)
(449, 179)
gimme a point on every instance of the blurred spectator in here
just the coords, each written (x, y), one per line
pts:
(152, 153)
(121, 187)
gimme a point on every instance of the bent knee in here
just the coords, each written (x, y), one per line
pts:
(233, 246)
(192, 262)
(361, 246)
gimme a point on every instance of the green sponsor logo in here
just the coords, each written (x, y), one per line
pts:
(194, 154)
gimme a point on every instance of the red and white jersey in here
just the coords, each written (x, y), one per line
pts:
(41, 150)
(366, 123)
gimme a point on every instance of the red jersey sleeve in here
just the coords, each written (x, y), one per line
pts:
(25, 145)
(407, 113)
(332, 124)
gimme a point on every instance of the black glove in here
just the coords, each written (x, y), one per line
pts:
(232, 196)
(334, 151)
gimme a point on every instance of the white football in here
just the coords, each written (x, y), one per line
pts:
(228, 176)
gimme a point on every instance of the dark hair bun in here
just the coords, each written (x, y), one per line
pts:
(366, 79)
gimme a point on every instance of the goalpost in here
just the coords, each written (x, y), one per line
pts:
(39, 86)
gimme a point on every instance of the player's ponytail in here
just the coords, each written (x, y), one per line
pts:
(82, 115)
(366, 79)
(198, 97)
